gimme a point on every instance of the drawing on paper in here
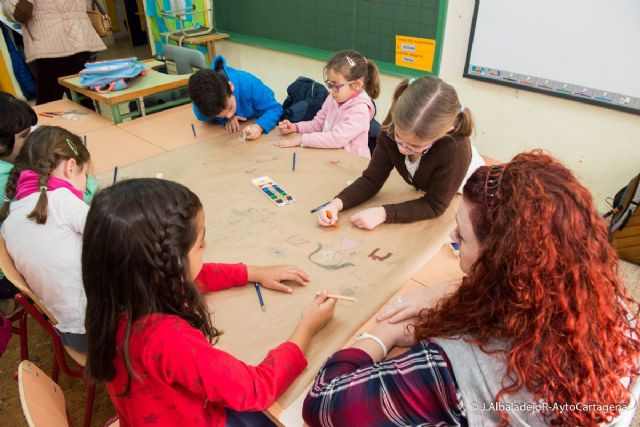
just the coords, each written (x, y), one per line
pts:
(375, 257)
(329, 260)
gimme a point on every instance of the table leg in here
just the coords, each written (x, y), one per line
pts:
(74, 96)
(96, 105)
(115, 112)
(211, 48)
(141, 106)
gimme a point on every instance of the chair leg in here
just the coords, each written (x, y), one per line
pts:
(88, 409)
(24, 343)
(55, 369)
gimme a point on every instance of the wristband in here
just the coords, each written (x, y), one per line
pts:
(367, 335)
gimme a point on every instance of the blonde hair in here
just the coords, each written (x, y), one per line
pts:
(353, 66)
(427, 107)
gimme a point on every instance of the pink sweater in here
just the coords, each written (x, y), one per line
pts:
(343, 125)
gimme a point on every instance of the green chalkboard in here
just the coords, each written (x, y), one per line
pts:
(317, 28)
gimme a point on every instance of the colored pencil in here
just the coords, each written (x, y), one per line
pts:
(193, 129)
(84, 140)
(294, 161)
(257, 285)
(340, 297)
(314, 210)
(115, 175)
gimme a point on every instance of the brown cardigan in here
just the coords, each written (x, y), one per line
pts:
(439, 175)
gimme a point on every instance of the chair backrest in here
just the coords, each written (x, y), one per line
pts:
(14, 276)
(41, 398)
(182, 60)
(58, 347)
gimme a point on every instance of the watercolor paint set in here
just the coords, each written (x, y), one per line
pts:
(273, 191)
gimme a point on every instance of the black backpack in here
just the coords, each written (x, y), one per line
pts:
(304, 99)
(624, 228)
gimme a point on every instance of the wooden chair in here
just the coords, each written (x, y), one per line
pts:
(20, 315)
(33, 306)
(43, 402)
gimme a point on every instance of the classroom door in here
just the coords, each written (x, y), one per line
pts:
(136, 22)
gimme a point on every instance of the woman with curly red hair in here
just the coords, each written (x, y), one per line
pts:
(540, 331)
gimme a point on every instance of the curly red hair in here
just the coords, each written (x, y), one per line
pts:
(547, 282)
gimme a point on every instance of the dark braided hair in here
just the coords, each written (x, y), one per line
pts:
(15, 117)
(43, 150)
(134, 263)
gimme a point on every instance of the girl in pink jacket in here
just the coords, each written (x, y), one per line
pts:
(343, 121)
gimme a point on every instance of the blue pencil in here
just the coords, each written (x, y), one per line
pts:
(314, 210)
(84, 140)
(294, 161)
(257, 285)
(115, 175)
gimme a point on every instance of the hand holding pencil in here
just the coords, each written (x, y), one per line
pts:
(328, 216)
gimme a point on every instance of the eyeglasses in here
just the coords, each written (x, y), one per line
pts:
(336, 86)
(405, 146)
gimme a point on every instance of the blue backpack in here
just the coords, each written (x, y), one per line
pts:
(105, 76)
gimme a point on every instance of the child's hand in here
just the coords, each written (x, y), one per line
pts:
(252, 131)
(328, 215)
(369, 218)
(272, 276)
(286, 127)
(313, 318)
(292, 141)
(232, 124)
(318, 313)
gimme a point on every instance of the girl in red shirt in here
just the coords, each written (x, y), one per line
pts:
(149, 332)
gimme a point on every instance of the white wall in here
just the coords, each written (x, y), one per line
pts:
(600, 145)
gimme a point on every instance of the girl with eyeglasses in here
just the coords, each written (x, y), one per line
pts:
(343, 121)
(425, 137)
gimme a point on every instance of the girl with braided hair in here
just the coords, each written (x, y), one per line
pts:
(149, 331)
(541, 330)
(44, 215)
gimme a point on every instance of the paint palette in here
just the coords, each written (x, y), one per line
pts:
(273, 191)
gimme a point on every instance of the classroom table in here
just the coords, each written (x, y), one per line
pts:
(171, 129)
(110, 146)
(443, 267)
(208, 40)
(245, 226)
(152, 83)
(71, 116)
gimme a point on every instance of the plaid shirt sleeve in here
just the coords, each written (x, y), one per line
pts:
(415, 388)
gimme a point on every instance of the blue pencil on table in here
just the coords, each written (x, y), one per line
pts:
(314, 210)
(115, 175)
(84, 140)
(257, 285)
(294, 161)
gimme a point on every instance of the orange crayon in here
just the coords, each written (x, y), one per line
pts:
(330, 216)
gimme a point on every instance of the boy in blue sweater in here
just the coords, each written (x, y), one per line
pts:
(226, 95)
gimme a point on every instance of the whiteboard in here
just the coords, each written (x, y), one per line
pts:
(587, 50)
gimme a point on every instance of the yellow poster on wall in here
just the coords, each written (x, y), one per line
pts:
(415, 52)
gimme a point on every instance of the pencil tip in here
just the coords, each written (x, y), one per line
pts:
(263, 308)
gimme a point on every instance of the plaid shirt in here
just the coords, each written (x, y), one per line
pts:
(417, 388)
